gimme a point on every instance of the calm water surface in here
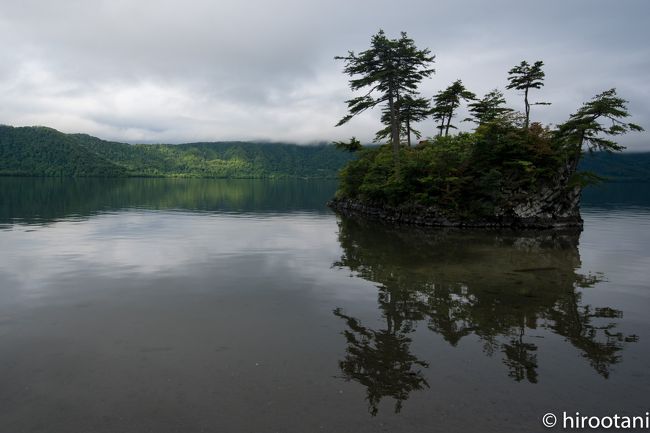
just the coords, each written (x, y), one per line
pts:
(247, 306)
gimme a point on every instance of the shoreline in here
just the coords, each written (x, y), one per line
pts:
(416, 215)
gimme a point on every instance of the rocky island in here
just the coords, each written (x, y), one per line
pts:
(509, 171)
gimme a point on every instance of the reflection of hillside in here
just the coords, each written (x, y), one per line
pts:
(44, 200)
(616, 196)
(493, 285)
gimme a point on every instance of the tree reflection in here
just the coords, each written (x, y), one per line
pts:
(521, 358)
(381, 361)
(504, 288)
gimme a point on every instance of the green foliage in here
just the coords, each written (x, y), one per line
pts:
(501, 164)
(353, 145)
(488, 108)
(37, 151)
(473, 174)
(46, 152)
(411, 109)
(469, 174)
(585, 178)
(525, 77)
(584, 127)
(447, 101)
(389, 70)
(618, 167)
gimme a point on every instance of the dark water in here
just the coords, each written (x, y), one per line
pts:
(246, 306)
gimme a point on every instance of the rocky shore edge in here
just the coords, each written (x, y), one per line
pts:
(531, 216)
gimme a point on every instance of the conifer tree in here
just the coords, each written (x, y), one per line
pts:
(388, 71)
(584, 127)
(447, 101)
(488, 108)
(525, 77)
(411, 110)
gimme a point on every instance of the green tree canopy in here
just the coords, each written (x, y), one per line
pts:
(411, 109)
(447, 101)
(488, 108)
(388, 71)
(525, 77)
(584, 127)
(352, 146)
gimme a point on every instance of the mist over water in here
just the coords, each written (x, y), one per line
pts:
(244, 305)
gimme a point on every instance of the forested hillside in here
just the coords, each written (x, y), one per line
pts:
(39, 151)
(619, 167)
(43, 151)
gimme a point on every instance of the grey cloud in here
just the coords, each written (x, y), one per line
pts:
(176, 71)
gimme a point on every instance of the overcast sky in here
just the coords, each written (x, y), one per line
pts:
(177, 71)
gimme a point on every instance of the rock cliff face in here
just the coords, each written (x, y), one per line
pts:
(550, 207)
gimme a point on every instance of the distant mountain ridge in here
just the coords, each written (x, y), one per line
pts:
(42, 151)
(619, 167)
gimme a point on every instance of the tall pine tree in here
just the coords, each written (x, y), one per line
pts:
(488, 108)
(446, 102)
(525, 77)
(411, 110)
(584, 127)
(388, 71)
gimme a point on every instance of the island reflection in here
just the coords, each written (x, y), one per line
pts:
(497, 286)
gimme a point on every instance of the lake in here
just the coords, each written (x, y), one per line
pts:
(162, 305)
